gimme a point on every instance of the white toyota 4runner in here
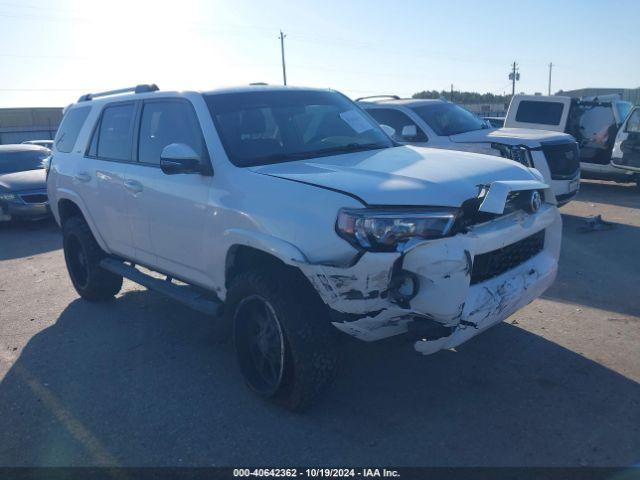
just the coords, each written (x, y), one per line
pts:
(284, 211)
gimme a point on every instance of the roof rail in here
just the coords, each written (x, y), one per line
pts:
(393, 97)
(137, 89)
(258, 84)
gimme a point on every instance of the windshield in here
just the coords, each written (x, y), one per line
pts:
(448, 118)
(264, 127)
(20, 161)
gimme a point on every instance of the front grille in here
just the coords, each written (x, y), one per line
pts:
(34, 198)
(492, 264)
(563, 159)
(470, 214)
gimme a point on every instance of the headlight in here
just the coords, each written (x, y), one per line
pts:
(8, 197)
(384, 229)
(514, 152)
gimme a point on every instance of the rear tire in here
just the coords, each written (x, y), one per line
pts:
(82, 255)
(286, 348)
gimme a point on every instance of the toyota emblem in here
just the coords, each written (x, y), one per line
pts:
(535, 201)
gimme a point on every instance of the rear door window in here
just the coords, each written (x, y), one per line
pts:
(70, 128)
(167, 122)
(115, 132)
(545, 113)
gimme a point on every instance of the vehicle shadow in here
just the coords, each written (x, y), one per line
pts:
(611, 193)
(598, 269)
(24, 239)
(138, 381)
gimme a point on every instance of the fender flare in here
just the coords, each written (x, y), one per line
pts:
(65, 194)
(281, 249)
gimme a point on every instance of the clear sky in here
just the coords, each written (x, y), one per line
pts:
(53, 51)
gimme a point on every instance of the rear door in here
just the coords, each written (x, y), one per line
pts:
(626, 151)
(101, 176)
(538, 112)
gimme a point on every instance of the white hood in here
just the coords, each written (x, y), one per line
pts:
(403, 175)
(512, 136)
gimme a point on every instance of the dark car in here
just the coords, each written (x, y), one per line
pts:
(23, 187)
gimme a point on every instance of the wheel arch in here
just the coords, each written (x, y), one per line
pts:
(253, 250)
(70, 204)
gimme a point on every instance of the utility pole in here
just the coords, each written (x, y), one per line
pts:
(451, 99)
(284, 68)
(550, 68)
(513, 76)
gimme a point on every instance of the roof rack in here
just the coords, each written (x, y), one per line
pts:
(393, 97)
(258, 84)
(137, 89)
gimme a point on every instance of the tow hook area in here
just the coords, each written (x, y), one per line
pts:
(422, 328)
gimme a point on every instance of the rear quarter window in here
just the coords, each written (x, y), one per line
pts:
(545, 113)
(70, 128)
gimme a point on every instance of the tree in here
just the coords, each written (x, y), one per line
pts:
(464, 97)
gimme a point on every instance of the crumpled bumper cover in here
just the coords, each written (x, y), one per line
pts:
(443, 270)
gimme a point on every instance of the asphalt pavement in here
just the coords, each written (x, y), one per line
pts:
(139, 381)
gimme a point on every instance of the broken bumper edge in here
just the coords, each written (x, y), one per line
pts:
(361, 293)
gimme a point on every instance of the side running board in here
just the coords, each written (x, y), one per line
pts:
(181, 293)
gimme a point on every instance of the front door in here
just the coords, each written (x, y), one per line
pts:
(169, 212)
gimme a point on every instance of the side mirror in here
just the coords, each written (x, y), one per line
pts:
(388, 130)
(409, 131)
(179, 158)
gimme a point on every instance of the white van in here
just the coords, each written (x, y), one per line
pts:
(593, 121)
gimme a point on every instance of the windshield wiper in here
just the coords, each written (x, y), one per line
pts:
(350, 147)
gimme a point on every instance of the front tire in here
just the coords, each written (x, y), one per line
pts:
(82, 255)
(286, 348)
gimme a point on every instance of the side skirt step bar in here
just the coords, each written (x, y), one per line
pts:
(180, 293)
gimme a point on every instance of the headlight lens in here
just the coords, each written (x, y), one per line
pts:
(514, 152)
(386, 229)
(8, 197)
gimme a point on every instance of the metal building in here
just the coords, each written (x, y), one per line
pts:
(20, 124)
(629, 94)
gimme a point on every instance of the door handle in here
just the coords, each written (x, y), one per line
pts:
(133, 186)
(83, 177)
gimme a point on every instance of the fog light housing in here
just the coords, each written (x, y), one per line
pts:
(404, 286)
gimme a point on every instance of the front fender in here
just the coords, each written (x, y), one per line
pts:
(281, 249)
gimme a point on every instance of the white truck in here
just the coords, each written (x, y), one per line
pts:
(626, 149)
(438, 123)
(593, 121)
(288, 215)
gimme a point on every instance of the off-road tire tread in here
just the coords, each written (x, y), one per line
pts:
(103, 285)
(312, 342)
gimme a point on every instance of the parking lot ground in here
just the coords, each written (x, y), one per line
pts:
(139, 382)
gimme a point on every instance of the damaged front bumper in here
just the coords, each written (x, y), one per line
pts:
(447, 290)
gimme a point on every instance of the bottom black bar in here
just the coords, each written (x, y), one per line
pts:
(430, 473)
